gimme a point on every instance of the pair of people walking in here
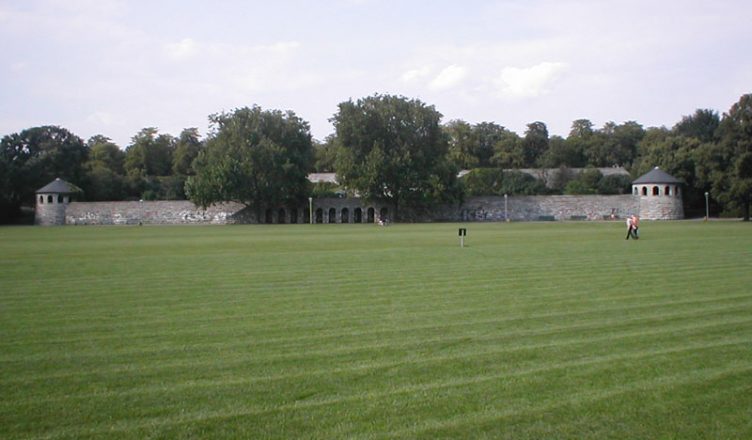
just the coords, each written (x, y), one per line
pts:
(633, 227)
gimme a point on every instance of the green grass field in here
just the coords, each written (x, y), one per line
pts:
(533, 330)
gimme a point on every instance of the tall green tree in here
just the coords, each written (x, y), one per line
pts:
(731, 164)
(701, 125)
(105, 169)
(535, 143)
(615, 145)
(462, 144)
(394, 150)
(34, 157)
(255, 157)
(487, 135)
(150, 153)
(187, 148)
(509, 151)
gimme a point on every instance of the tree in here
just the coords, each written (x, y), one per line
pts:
(394, 150)
(33, 158)
(614, 145)
(585, 183)
(731, 165)
(701, 125)
(149, 154)
(487, 135)
(535, 143)
(573, 152)
(104, 170)
(187, 148)
(147, 159)
(325, 155)
(104, 152)
(255, 157)
(508, 151)
(462, 144)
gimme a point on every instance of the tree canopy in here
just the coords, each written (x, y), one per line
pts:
(393, 149)
(255, 157)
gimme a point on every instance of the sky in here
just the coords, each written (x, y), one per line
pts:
(114, 67)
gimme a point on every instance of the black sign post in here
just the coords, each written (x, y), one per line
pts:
(462, 234)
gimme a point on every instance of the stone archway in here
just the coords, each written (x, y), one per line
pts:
(319, 215)
(358, 215)
(371, 217)
(332, 215)
(344, 216)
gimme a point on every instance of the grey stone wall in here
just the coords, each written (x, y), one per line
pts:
(532, 208)
(352, 210)
(50, 213)
(154, 213)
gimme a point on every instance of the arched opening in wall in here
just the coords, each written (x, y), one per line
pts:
(358, 215)
(60, 198)
(384, 214)
(655, 190)
(41, 199)
(667, 191)
(306, 215)
(319, 215)
(281, 214)
(294, 215)
(269, 216)
(644, 190)
(345, 216)
(49, 199)
(332, 215)
(370, 215)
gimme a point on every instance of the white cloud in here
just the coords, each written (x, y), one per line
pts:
(184, 49)
(525, 82)
(416, 74)
(448, 78)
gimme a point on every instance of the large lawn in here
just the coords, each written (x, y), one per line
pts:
(533, 330)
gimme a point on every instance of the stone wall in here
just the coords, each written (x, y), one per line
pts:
(154, 213)
(351, 210)
(533, 208)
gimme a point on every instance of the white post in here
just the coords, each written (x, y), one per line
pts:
(707, 210)
(310, 209)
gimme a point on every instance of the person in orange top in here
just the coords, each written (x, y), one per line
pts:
(633, 225)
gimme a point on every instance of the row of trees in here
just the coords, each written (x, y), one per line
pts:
(384, 147)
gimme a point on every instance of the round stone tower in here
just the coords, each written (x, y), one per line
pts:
(51, 202)
(660, 195)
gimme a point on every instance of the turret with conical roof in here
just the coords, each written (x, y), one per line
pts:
(52, 200)
(660, 195)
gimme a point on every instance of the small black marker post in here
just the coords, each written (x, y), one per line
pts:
(462, 234)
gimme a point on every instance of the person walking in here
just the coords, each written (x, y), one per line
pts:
(633, 226)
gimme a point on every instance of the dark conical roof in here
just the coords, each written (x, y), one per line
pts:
(656, 175)
(59, 186)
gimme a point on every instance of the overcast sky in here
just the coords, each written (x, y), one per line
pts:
(113, 67)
